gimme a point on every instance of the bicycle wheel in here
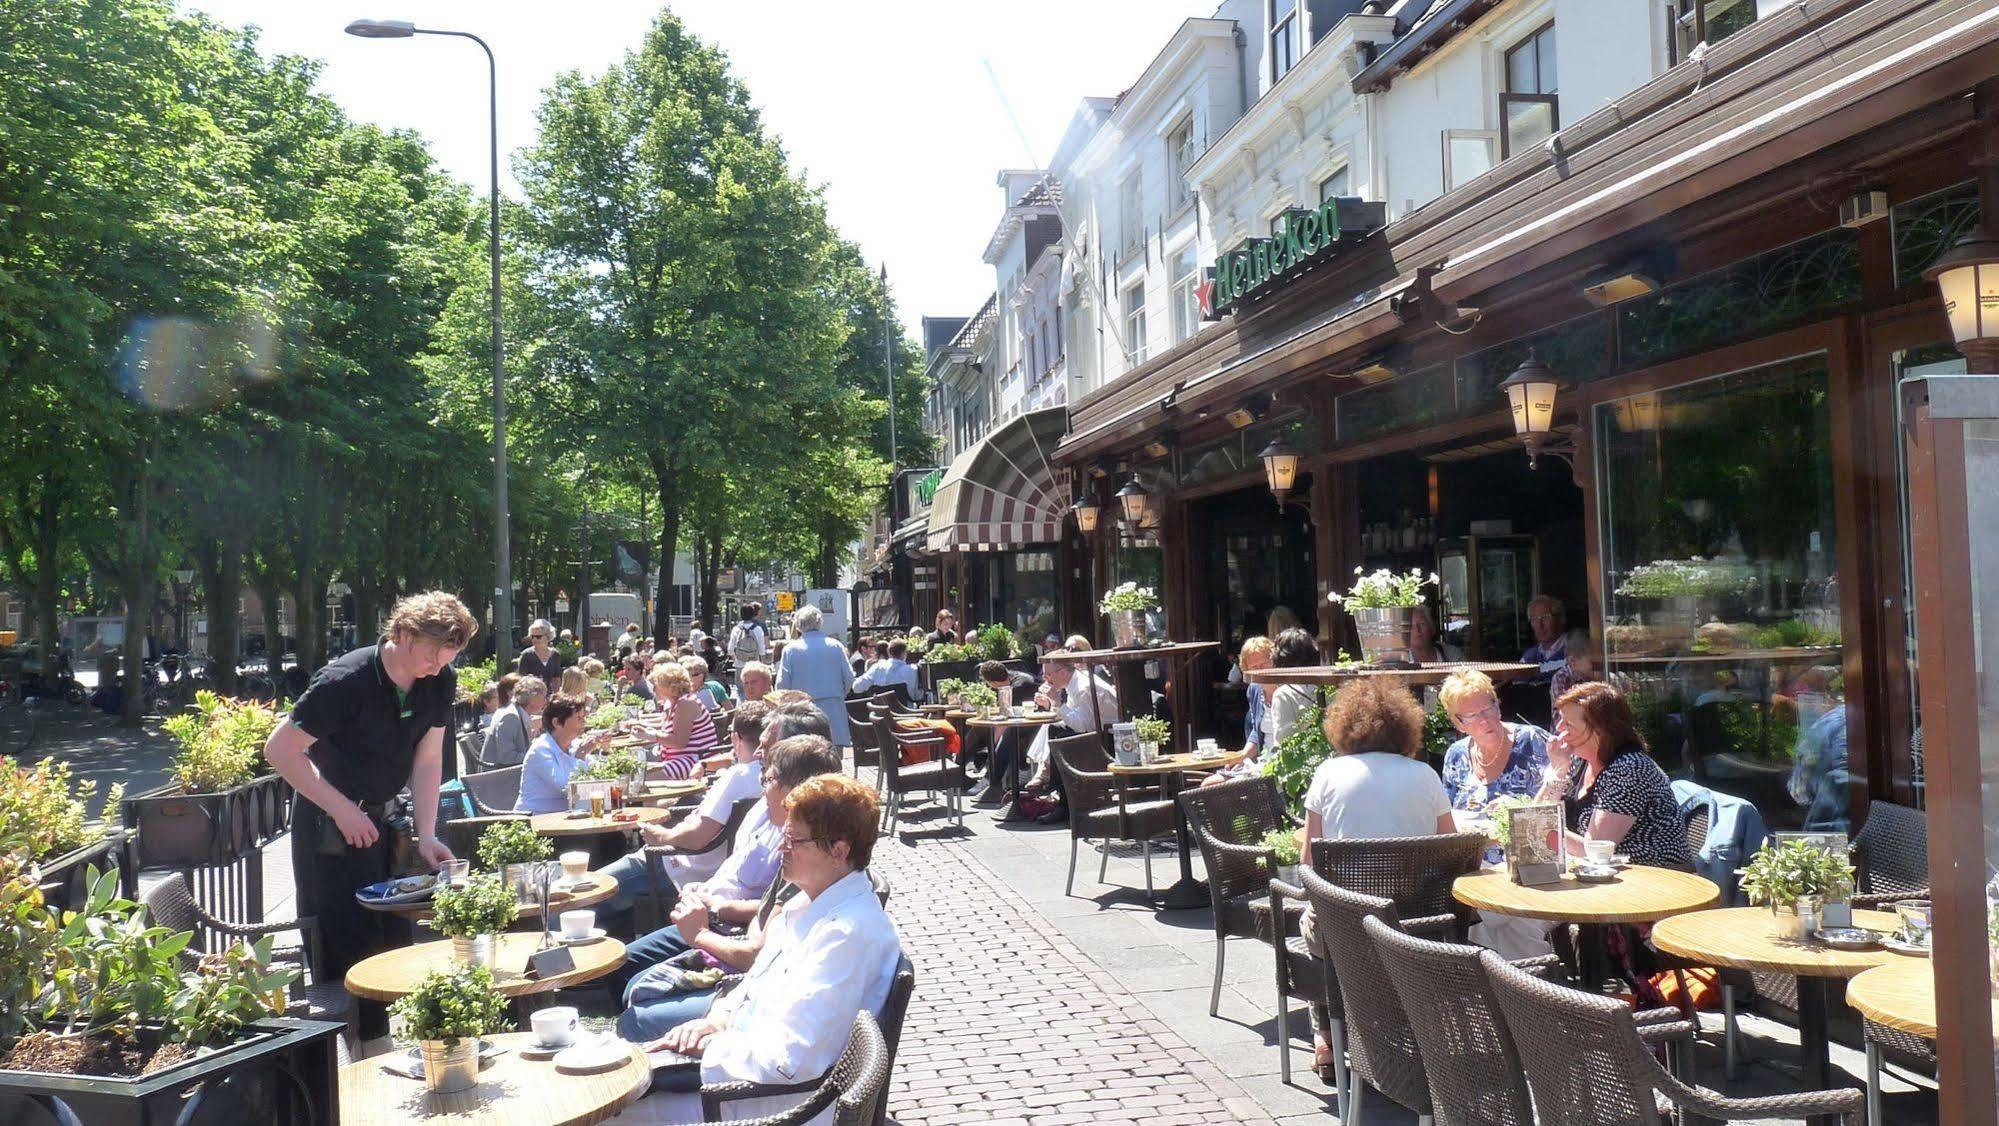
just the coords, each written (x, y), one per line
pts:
(17, 726)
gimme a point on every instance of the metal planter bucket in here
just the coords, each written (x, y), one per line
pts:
(1384, 633)
(451, 1065)
(478, 950)
(1127, 628)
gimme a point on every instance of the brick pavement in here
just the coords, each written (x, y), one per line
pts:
(1012, 1023)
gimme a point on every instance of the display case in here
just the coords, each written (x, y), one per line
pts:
(1485, 583)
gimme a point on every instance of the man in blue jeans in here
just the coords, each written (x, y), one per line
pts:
(737, 890)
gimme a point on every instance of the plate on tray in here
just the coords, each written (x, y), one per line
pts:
(407, 889)
(1912, 949)
(1849, 938)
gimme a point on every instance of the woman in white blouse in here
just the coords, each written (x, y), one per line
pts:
(827, 954)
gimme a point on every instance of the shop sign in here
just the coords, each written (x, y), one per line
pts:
(1308, 237)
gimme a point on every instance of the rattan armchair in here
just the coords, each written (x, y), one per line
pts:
(1229, 821)
(1414, 873)
(853, 1086)
(493, 791)
(1100, 810)
(943, 776)
(1891, 856)
(867, 740)
(1591, 1067)
(170, 903)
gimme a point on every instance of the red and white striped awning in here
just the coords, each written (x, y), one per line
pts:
(1003, 492)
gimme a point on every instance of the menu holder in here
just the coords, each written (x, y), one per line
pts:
(552, 962)
(1530, 860)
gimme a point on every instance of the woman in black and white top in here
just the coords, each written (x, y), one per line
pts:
(1611, 789)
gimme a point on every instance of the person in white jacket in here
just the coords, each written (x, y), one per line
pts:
(827, 954)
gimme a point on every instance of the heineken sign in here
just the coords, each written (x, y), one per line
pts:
(1307, 237)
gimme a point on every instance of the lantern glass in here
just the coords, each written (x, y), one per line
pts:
(1086, 515)
(1282, 471)
(1971, 299)
(1132, 500)
(1533, 404)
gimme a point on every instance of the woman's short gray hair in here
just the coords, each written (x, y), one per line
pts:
(808, 618)
(541, 625)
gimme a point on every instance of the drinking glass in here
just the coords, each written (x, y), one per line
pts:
(596, 803)
(455, 872)
(1915, 916)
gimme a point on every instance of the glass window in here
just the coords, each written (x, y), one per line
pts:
(1941, 359)
(1527, 107)
(1131, 231)
(1283, 37)
(1336, 185)
(1707, 21)
(1180, 156)
(1024, 596)
(1186, 307)
(1467, 154)
(1134, 323)
(1721, 613)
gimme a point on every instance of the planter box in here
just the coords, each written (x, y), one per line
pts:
(63, 881)
(170, 829)
(933, 673)
(280, 1072)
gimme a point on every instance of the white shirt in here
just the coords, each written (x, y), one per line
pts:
(1376, 795)
(1074, 707)
(888, 671)
(743, 780)
(823, 961)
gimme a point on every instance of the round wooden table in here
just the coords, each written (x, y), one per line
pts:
(511, 1091)
(570, 825)
(601, 888)
(1746, 938)
(1499, 671)
(667, 792)
(1640, 894)
(1187, 892)
(1901, 994)
(394, 974)
(1000, 725)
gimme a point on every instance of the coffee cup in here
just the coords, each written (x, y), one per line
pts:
(555, 1027)
(575, 865)
(1600, 852)
(578, 924)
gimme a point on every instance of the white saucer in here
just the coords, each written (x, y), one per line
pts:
(596, 935)
(585, 1056)
(1894, 942)
(584, 884)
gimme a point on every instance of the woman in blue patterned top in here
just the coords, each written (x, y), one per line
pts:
(1495, 758)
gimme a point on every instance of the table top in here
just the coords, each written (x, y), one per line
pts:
(1901, 994)
(1174, 764)
(1029, 719)
(1640, 894)
(1733, 656)
(1119, 656)
(1746, 938)
(511, 1091)
(566, 825)
(667, 791)
(601, 888)
(1499, 671)
(393, 974)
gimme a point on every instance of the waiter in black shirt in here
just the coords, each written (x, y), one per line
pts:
(370, 723)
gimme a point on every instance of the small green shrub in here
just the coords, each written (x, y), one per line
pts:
(453, 1004)
(485, 905)
(221, 742)
(512, 842)
(1152, 729)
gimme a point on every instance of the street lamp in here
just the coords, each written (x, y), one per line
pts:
(1968, 275)
(503, 603)
(1133, 501)
(1086, 511)
(1530, 392)
(1280, 467)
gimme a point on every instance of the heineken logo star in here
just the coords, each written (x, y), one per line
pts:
(1205, 294)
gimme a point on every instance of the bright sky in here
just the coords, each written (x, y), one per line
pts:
(885, 103)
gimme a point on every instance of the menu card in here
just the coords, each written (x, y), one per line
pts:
(1531, 858)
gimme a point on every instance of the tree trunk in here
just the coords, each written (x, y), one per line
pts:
(271, 594)
(309, 608)
(669, 536)
(135, 580)
(220, 563)
(47, 543)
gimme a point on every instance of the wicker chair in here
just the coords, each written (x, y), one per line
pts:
(867, 741)
(853, 1086)
(1100, 811)
(1381, 1049)
(493, 791)
(170, 904)
(1886, 1044)
(1591, 1067)
(652, 909)
(943, 775)
(470, 745)
(894, 1008)
(462, 835)
(1414, 873)
(1891, 856)
(1469, 1056)
(1229, 822)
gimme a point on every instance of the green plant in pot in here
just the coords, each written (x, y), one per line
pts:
(1152, 734)
(952, 690)
(1126, 605)
(615, 765)
(473, 677)
(1297, 756)
(980, 696)
(220, 744)
(473, 916)
(995, 643)
(512, 848)
(1284, 853)
(1381, 604)
(446, 1015)
(1796, 878)
(47, 807)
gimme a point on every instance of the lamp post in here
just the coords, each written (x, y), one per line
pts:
(503, 608)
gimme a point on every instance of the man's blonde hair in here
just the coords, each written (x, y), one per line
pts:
(1464, 687)
(1259, 646)
(435, 616)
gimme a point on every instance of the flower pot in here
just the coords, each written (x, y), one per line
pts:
(523, 878)
(451, 1065)
(1127, 628)
(1836, 915)
(1795, 921)
(1384, 633)
(277, 1071)
(1148, 753)
(476, 950)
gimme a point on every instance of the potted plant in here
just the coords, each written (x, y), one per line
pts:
(623, 766)
(446, 1015)
(1382, 604)
(979, 695)
(47, 808)
(1284, 854)
(1126, 605)
(223, 804)
(1295, 758)
(473, 915)
(105, 1016)
(952, 691)
(1152, 733)
(1795, 878)
(512, 849)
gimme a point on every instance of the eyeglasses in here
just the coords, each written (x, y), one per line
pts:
(787, 842)
(1540, 617)
(1479, 716)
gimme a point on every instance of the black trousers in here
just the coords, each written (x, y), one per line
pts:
(326, 871)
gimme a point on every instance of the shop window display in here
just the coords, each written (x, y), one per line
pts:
(1722, 590)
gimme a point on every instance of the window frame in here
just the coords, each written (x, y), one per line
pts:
(1132, 318)
(1291, 28)
(1180, 156)
(1181, 291)
(1698, 10)
(1493, 141)
(1131, 203)
(1544, 93)
(1344, 170)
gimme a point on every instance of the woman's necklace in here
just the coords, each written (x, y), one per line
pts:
(1489, 766)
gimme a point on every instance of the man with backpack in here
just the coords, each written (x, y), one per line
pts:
(747, 641)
